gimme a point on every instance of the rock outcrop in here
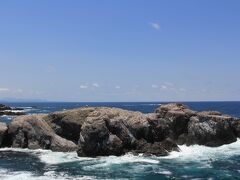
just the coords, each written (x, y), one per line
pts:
(101, 131)
(34, 133)
(210, 129)
(9, 111)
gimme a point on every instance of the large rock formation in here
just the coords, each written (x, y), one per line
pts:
(100, 131)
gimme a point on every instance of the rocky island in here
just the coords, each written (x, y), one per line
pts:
(9, 111)
(102, 131)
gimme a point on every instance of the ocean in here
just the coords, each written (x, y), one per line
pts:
(193, 162)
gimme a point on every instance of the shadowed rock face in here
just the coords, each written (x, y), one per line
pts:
(67, 124)
(104, 131)
(3, 131)
(170, 120)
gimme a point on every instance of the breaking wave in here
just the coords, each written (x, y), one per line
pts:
(190, 162)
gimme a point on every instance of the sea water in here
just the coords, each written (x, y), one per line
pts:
(192, 162)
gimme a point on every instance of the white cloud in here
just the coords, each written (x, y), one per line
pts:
(4, 89)
(96, 85)
(155, 25)
(117, 87)
(164, 87)
(154, 86)
(83, 86)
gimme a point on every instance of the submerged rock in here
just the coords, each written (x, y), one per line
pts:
(101, 131)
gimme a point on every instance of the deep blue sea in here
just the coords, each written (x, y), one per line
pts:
(193, 162)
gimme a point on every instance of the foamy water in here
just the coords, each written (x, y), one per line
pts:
(58, 164)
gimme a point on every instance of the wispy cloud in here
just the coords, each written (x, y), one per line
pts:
(155, 25)
(96, 85)
(164, 87)
(4, 89)
(168, 86)
(117, 87)
(83, 86)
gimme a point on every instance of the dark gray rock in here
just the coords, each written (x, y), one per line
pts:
(236, 127)
(170, 120)
(157, 148)
(3, 132)
(210, 129)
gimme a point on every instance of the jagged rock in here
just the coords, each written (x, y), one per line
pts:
(210, 129)
(170, 120)
(103, 124)
(3, 131)
(34, 133)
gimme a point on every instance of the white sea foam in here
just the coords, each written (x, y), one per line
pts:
(164, 172)
(196, 153)
(109, 161)
(14, 111)
(187, 153)
(27, 107)
(49, 175)
(203, 153)
(50, 157)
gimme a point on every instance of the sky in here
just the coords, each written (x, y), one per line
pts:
(128, 50)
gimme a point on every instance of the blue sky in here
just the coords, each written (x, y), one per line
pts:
(128, 50)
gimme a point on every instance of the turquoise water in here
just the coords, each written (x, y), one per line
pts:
(193, 162)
